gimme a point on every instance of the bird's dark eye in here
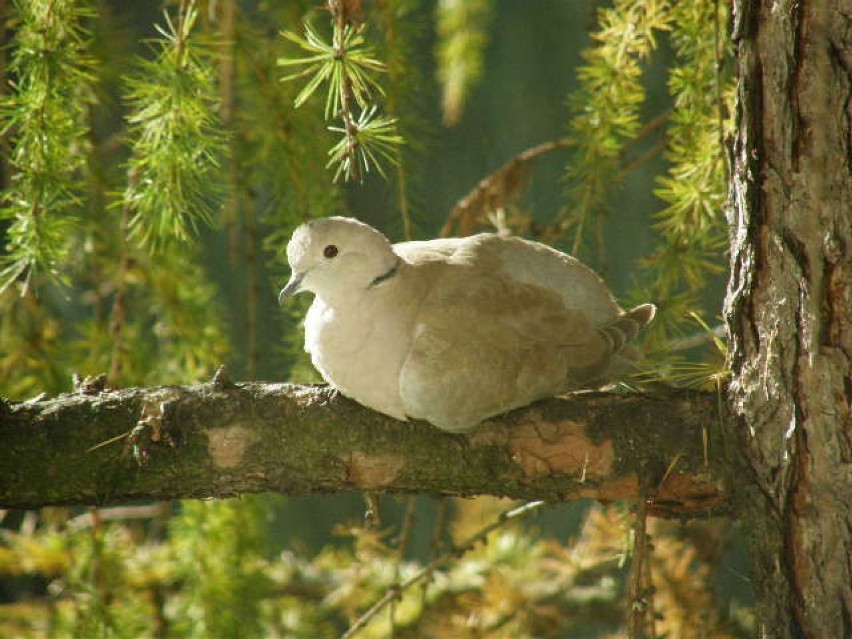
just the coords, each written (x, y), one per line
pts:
(330, 251)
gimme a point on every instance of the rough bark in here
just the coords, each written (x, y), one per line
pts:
(221, 439)
(789, 308)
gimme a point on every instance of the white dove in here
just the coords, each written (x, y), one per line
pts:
(453, 331)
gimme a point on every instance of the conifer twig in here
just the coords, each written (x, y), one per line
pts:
(283, 126)
(640, 614)
(119, 304)
(561, 225)
(402, 544)
(506, 179)
(395, 592)
(641, 160)
(394, 81)
(350, 129)
(253, 292)
(227, 105)
(406, 526)
(347, 66)
(647, 129)
(373, 512)
(696, 339)
(498, 183)
(180, 33)
(116, 513)
(5, 151)
(48, 76)
(441, 518)
(175, 135)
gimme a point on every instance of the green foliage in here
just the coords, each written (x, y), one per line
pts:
(176, 136)
(220, 551)
(694, 191)
(402, 24)
(46, 115)
(375, 139)
(348, 67)
(123, 310)
(214, 577)
(183, 317)
(607, 106)
(113, 580)
(691, 224)
(462, 28)
(278, 173)
(275, 145)
(31, 347)
(325, 64)
(607, 122)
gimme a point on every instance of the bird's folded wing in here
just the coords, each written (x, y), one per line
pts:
(485, 343)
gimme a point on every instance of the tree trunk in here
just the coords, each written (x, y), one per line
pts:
(789, 308)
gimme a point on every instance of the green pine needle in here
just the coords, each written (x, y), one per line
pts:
(176, 139)
(375, 141)
(45, 116)
(348, 68)
(345, 60)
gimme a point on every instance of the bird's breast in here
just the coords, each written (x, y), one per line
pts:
(359, 349)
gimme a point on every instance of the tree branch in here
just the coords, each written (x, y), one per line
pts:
(220, 439)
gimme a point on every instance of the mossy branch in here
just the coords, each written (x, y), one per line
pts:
(221, 439)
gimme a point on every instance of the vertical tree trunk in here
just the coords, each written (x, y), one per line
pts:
(789, 308)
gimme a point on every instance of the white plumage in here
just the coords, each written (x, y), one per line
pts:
(453, 331)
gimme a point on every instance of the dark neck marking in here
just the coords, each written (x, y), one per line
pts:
(386, 276)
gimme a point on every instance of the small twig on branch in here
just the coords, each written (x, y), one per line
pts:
(406, 526)
(639, 161)
(339, 12)
(396, 592)
(405, 529)
(650, 127)
(698, 339)
(118, 513)
(119, 305)
(441, 520)
(640, 609)
(560, 226)
(497, 187)
(508, 181)
(373, 512)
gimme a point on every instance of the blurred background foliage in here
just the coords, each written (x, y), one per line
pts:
(155, 158)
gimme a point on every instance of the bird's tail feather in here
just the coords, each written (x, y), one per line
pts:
(627, 326)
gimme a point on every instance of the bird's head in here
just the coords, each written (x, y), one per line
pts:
(336, 256)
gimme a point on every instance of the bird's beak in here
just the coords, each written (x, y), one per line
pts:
(291, 288)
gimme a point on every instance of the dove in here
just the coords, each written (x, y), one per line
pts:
(453, 331)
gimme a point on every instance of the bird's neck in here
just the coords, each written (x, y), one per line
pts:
(392, 272)
(354, 293)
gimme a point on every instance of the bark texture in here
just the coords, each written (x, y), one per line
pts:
(789, 307)
(221, 439)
